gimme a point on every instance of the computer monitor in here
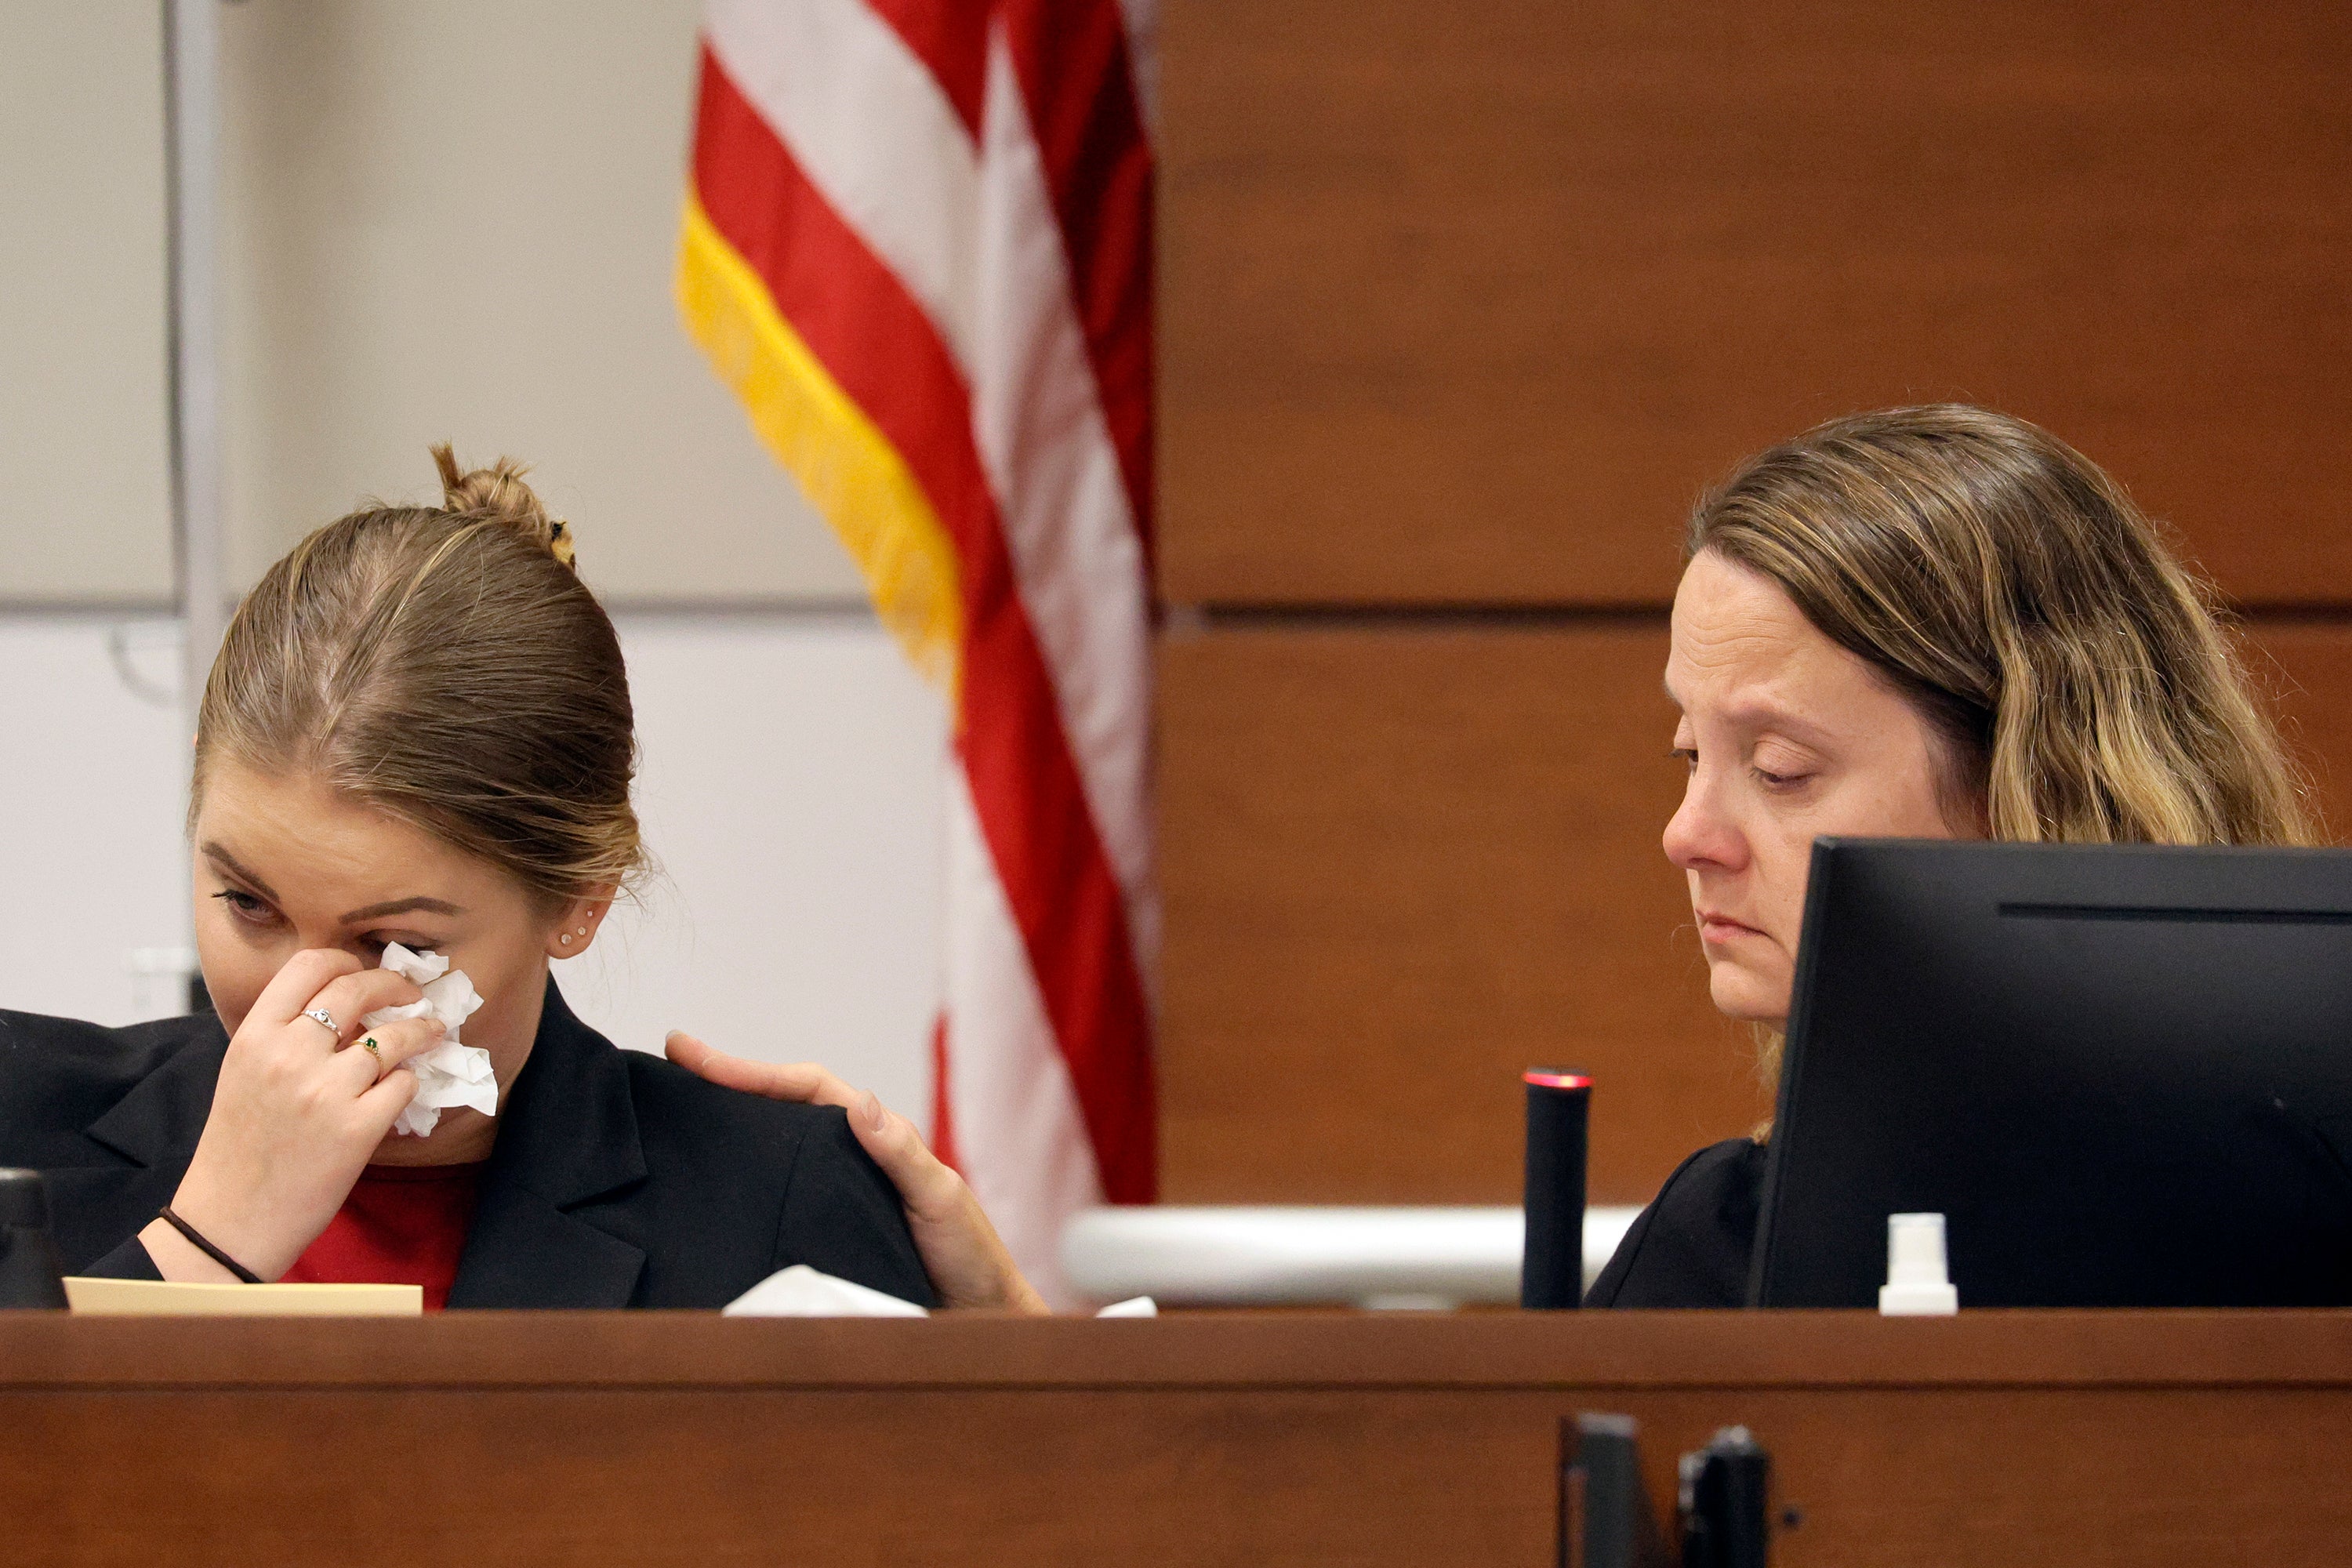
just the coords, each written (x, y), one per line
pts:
(2123, 1073)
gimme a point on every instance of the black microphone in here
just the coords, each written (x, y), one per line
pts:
(1551, 1259)
(30, 1273)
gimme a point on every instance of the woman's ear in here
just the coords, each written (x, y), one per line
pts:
(577, 924)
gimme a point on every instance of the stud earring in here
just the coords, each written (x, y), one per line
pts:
(584, 930)
(567, 942)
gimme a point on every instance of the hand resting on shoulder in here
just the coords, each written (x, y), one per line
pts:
(966, 1259)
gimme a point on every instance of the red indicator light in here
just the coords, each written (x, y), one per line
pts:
(1545, 1079)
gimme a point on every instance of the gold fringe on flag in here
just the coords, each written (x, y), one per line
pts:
(845, 466)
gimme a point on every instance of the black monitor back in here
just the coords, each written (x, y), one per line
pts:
(2123, 1073)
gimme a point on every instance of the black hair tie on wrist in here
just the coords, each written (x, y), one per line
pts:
(206, 1247)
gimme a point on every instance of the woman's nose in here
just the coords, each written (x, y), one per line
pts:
(1699, 835)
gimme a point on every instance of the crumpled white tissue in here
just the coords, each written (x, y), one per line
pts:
(450, 1074)
(801, 1291)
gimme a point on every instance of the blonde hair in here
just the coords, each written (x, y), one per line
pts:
(2079, 681)
(2083, 685)
(447, 665)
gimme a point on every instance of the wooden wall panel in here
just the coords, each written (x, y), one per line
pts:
(2305, 666)
(1465, 302)
(1463, 306)
(1400, 865)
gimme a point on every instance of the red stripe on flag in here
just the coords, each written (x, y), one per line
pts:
(951, 36)
(944, 1139)
(1079, 83)
(877, 343)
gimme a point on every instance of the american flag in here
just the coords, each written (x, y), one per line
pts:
(917, 244)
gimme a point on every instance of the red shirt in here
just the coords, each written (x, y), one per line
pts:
(403, 1225)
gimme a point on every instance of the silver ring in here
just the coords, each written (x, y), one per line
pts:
(320, 1015)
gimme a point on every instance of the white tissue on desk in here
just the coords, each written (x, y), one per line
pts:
(450, 1074)
(801, 1291)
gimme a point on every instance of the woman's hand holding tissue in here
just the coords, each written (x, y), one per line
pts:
(967, 1260)
(297, 1112)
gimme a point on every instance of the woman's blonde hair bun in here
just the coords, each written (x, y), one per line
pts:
(499, 494)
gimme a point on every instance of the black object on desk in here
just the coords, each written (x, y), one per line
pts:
(1726, 1504)
(2122, 1073)
(1551, 1258)
(1606, 1519)
(30, 1272)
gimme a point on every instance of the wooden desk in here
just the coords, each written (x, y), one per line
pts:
(2006, 1438)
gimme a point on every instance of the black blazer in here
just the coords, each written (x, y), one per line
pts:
(1690, 1248)
(618, 1179)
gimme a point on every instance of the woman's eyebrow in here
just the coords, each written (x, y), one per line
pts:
(402, 907)
(1771, 716)
(228, 861)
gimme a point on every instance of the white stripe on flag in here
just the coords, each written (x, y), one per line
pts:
(1019, 1134)
(1038, 420)
(1141, 18)
(875, 134)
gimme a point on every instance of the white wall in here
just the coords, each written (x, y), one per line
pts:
(85, 501)
(93, 775)
(440, 219)
(792, 790)
(456, 219)
(791, 787)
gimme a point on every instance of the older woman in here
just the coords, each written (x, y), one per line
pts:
(418, 736)
(1922, 622)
